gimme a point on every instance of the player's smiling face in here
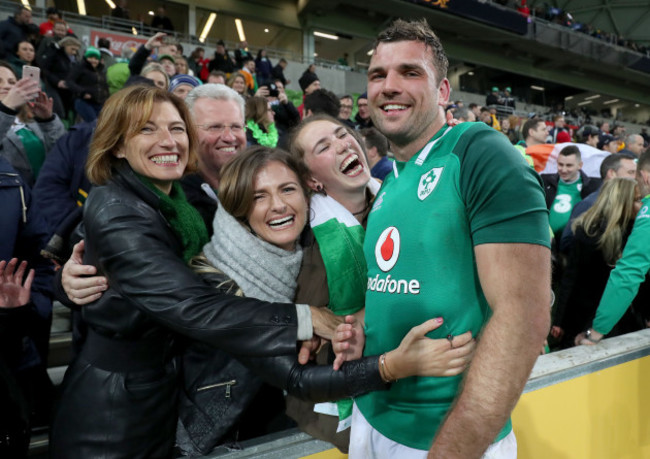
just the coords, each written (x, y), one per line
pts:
(334, 157)
(404, 95)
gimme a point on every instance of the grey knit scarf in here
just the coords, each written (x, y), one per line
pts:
(260, 269)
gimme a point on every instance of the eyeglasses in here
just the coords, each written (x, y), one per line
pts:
(221, 128)
(349, 107)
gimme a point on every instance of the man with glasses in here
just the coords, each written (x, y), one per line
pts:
(347, 104)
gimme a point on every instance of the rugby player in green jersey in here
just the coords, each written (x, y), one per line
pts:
(458, 230)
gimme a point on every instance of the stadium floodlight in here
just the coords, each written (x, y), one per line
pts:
(81, 6)
(613, 101)
(595, 96)
(537, 88)
(240, 29)
(26, 4)
(326, 35)
(111, 4)
(586, 102)
(206, 28)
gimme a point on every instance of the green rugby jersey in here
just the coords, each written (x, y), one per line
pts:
(467, 186)
(629, 273)
(568, 195)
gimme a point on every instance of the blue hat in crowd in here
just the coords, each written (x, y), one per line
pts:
(178, 80)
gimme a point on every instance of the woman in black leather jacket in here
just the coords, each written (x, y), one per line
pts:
(119, 397)
(120, 394)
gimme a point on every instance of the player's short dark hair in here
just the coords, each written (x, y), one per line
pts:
(402, 30)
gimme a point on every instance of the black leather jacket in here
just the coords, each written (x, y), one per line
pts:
(127, 367)
(218, 388)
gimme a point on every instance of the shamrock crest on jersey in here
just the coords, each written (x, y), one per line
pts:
(428, 182)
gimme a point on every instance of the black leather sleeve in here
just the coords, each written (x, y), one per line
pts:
(319, 383)
(130, 243)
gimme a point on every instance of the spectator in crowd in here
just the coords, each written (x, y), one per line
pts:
(242, 54)
(493, 98)
(25, 316)
(568, 186)
(197, 61)
(161, 20)
(590, 135)
(248, 71)
(46, 28)
(508, 100)
(23, 55)
(476, 109)
(322, 101)
(260, 122)
(343, 60)
(217, 77)
(309, 83)
(286, 114)
(347, 104)
(221, 60)
(181, 66)
(55, 64)
(604, 127)
(28, 128)
(168, 45)
(630, 270)
(600, 235)
(237, 81)
(510, 133)
(168, 63)
(181, 85)
(263, 68)
(464, 115)
(62, 186)
(534, 132)
(121, 11)
(104, 47)
(621, 165)
(278, 71)
(59, 31)
(608, 143)
(377, 153)
(618, 131)
(363, 113)
(15, 29)
(87, 80)
(634, 144)
(156, 73)
(555, 134)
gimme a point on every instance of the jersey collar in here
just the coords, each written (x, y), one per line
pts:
(420, 157)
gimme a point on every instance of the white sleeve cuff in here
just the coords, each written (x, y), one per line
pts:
(305, 327)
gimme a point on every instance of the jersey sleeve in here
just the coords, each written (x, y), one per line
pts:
(503, 196)
(625, 278)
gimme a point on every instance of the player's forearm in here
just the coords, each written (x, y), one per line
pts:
(505, 355)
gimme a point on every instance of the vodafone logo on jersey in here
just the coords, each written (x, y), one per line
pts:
(387, 248)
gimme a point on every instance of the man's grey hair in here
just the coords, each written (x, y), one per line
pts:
(462, 113)
(634, 138)
(216, 92)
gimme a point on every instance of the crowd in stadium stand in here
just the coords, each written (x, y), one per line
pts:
(242, 112)
(564, 18)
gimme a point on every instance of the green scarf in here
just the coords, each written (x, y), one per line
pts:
(266, 139)
(185, 220)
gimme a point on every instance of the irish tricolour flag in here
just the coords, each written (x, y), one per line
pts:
(545, 157)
